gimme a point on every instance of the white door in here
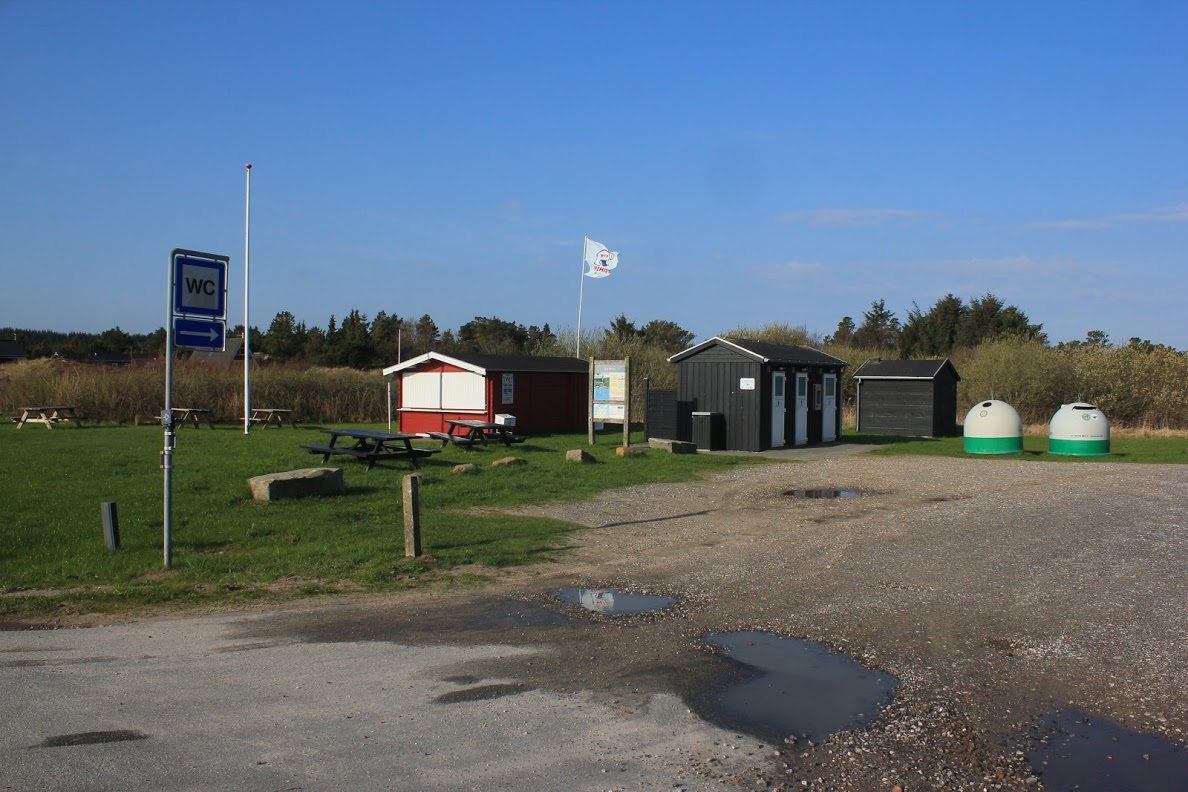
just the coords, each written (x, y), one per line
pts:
(829, 410)
(778, 403)
(800, 414)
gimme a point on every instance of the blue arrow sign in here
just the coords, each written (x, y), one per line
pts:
(200, 334)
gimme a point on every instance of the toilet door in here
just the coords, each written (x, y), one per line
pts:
(829, 410)
(778, 405)
(800, 414)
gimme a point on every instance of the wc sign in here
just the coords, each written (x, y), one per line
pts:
(199, 285)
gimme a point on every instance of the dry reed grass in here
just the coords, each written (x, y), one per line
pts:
(121, 394)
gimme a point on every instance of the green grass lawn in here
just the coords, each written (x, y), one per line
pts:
(226, 547)
(1152, 449)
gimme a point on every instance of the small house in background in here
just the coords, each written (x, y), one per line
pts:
(916, 398)
(11, 351)
(233, 353)
(743, 395)
(545, 394)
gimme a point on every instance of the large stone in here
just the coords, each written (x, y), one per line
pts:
(298, 484)
(509, 461)
(625, 451)
(578, 455)
(673, 446)
(466, 467)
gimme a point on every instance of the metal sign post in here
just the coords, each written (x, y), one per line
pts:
(196, 311)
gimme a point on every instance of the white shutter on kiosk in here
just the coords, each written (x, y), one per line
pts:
(463, 390)
(422, 390)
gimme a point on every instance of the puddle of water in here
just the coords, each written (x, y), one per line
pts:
(463, 679)
(801, 689)
(93, 738)
(482, 693)
(15, 626)
(822, 493)
(1076, 751)
(612, 602)
(512, 616)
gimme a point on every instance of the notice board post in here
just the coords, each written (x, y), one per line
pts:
(610, 395)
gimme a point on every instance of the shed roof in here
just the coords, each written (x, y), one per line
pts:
(903, 369)
(483, 364)
(765, 352)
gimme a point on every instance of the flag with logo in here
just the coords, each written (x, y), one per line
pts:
(599, 261)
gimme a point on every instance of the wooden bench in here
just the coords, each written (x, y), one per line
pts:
(467, 433)
(370, 456)
(328, 451)
(272, 416)
(48, 416)
(181, 417)
(446, 438)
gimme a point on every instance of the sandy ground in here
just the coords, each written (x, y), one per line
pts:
(995, 590)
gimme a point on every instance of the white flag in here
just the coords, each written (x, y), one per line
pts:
(599, 261)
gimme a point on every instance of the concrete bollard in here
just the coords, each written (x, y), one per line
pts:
(412, 516)
(111, 525)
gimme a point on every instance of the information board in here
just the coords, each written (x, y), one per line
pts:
(610, 395)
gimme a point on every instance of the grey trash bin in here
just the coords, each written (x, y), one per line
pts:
(709, 431)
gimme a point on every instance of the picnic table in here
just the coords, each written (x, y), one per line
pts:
(48, 415)
(371, 446)
(467, 432)
(181, 417)
(272, 416)
(193, 415)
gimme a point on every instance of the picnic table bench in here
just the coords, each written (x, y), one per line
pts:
(371, 446)
(194, 415)
(181, 417)
(272, 416)
(47, 415)
(467, 432)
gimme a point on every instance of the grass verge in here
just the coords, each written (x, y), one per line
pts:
(228, 549)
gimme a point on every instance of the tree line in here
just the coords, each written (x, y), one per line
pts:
(358, 342)
(354, 341)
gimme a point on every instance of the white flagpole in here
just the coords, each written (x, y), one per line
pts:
(247, 350)
(581, 289)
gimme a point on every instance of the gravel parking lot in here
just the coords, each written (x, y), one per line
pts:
(995, 590)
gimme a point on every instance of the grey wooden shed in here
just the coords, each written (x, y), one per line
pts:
(744, 395)
(916, 398)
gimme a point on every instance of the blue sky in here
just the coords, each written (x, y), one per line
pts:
(751, 162)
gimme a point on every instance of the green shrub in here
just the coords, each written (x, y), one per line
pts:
(1133, 386)
(1029, 375)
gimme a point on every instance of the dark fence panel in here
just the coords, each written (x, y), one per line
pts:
(660, 420)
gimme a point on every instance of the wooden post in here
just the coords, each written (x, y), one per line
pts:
(111, 525)
(590, 403)
(626, 403)
(412, 516)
